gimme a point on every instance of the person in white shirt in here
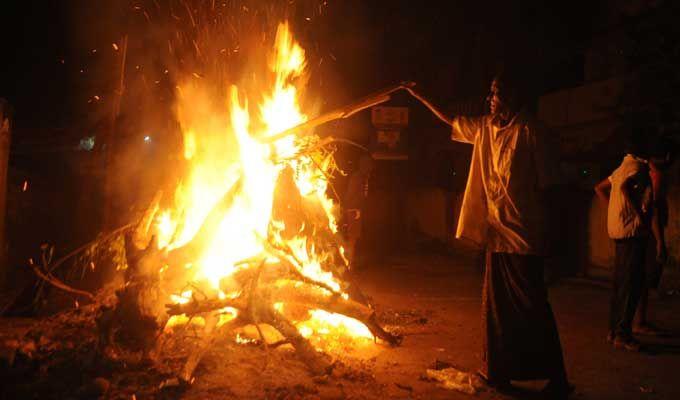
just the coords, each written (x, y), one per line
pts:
(629, 198)
(504, 210)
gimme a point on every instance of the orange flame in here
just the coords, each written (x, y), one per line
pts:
(223, 149)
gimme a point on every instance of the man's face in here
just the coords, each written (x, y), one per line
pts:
(495, 100)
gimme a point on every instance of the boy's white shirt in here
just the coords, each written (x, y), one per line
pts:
(622, 220)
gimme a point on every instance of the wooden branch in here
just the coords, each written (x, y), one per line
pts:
(330, 139)
(290, 262)
(344, 112)
(320, 144)
(209, 333)
(54, 281)
(84, 247)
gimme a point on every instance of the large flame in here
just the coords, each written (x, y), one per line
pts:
(225, 153)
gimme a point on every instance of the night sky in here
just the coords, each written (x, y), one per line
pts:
(451, 48)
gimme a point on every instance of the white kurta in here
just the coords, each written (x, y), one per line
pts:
(503, 207)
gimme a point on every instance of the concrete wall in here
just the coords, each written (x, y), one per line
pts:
(433, 213)
(600, 246)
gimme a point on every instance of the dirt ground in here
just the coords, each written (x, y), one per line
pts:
(448, 289)
(433, 300)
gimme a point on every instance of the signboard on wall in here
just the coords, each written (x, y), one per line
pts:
(389, 140)
(389, 116)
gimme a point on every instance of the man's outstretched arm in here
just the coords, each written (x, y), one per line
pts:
(435, 110)
(464, 129)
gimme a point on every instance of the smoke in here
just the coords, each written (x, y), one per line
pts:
(176, 52)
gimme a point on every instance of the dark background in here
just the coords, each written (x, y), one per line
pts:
(59, 71)
(449, 47)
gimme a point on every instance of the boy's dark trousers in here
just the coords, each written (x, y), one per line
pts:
(629, 279)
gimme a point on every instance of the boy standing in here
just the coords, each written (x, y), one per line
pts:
(628, 192)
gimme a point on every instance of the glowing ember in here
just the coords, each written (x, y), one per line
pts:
(325, 323)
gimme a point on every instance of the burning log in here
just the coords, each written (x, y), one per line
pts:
(259, 312)
(317, 363)
(316, 298)
(294, 268)
(256, 307)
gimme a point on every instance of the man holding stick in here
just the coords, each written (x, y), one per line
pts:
(504, 210)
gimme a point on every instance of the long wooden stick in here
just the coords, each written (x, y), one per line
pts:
(52, 280)
(344, 112)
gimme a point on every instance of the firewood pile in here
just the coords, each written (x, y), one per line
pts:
(119, 327)
(117, 341)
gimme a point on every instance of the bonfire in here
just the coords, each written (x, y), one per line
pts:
(247, 245)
